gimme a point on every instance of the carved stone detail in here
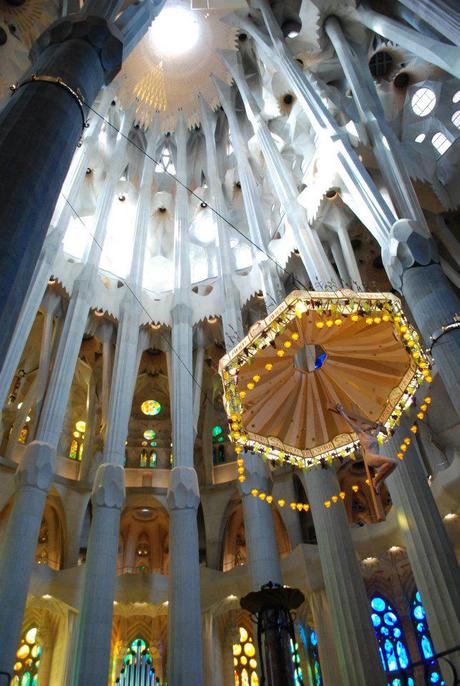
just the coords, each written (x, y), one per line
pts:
(183, 492)
(37, 466)
(109, 486)
(103, 36)
(408, 246)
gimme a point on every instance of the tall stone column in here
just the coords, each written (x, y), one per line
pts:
(262, 550)
(42, 272)
(355, 640)
(185, 661)
(429, 550)
(330, 669)
(33, 479)
(92, 653)
(271, 285)
(212, 651)
(71, 61)
(443, 55)
(442, 15)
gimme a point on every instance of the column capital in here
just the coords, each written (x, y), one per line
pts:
(103, 36)
(109, 487)
(408, 246)
(257, 475)
(183, 491)
(37, 466)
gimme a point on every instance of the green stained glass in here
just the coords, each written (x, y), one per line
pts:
(151, 407)
(216, 431)
(150, 434)
(26, 679)
(138, 642)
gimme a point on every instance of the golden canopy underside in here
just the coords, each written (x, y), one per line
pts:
(366, 370)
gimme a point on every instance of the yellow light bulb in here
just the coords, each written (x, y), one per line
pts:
(329, 323)
(287, 344)
(269, 499)
(319, 325)
(242, 394)
(414, 428)
(407, 441)
(335, 498)
(256, 378)
(342, 495)
(292, 506)
(254, 492)
(424, 407)
(377, 320)
(280, 353)
(401, 456)
(250, 385)
(369, 321)
(295, 336)
(269, 366)
(338, 322)
(386, 317)
(355, 488)
(300, 507)
(262, 495)
(403, 447)
(403, 328)
(354, 317)
(429, 379)
(420, 415)
(241, 478)
(427, 399)
(281, 502)
(327, 503)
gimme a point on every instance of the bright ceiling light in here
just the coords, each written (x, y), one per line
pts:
(175, 31)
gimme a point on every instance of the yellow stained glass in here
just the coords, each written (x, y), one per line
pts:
(254, 679)
(23, 652)
(17, 666)
(249, 649)
(81, 426)
(253, 664)
(244, 678)
(244, 660)
(236, 649)
(243, 635)
(151, 407)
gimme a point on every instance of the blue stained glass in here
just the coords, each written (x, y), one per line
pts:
(418, 597)
(419, 612)
(390, 656)
(390, 618)
(427, 648)
(402, 655)
(410, 682)
(393, 651)
(320, 360)
(435, 678)
(314, 638)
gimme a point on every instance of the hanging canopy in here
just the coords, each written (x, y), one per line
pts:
(314, 351)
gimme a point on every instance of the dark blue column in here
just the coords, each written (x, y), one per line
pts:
(39, 131)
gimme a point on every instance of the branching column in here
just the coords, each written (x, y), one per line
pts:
(272, 287)
(355, 639)
(429, 550)
(311, 251)
(96, 616)
(185, 660)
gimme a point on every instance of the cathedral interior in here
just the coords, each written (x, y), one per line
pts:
(229, 342)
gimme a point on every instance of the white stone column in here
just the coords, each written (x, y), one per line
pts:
(185, 660)
(17, 557)
(105, 333)
(311, 251)
(443, 55)
(429, 550)
(212, 653)
(271, 285)
(330, 670)
(95, 621)
(231, 316)
(385, 144)
(442, 15)
(259, 529)
(355, 640)
(367, 201)
(350, 258)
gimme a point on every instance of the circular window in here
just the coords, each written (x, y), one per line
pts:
(423, 102)
(420, 138)
(381, 64)
(150, 434)
(151, 408)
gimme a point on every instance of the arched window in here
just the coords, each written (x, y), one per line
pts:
(298, 677)
(392, 645)
(138, 664)
(27, 659)
(309, 639)
(244, 660)
(424, 642)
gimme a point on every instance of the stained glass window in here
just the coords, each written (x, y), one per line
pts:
(244, 660)
(27, 659)
(151, 407)
(392, 645)
(298, 679)
(425, 644)
(143, 459)
(152, 459)
(73, 452)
